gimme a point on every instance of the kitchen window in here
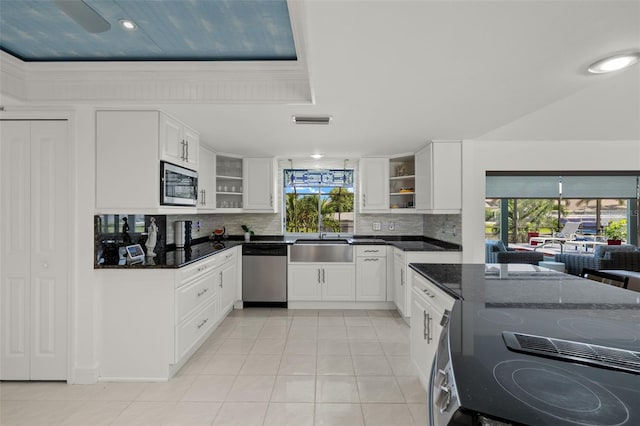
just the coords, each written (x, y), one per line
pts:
(318, 202)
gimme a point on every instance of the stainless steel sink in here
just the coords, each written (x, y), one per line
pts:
(323, 242)
(321, 251)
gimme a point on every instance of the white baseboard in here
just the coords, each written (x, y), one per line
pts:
(84, 376)
(340, 305)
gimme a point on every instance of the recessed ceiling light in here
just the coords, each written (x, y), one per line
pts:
(128, 24)
(614, 63)
(321, 119)
(317, 156)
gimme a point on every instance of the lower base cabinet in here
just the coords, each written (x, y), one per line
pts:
(313, 282)
(154, 320)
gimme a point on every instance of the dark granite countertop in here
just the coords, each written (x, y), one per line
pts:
(528, 299)
(204, 247)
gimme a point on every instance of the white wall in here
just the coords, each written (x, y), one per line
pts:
(480, 156)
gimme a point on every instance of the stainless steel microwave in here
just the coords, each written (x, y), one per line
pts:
(178, 185)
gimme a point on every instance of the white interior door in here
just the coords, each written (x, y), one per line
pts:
(35, 249)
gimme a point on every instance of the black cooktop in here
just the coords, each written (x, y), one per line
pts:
(529, 388)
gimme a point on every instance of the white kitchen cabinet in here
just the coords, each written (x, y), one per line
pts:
(402, 184)
(428, 306)
(327, 282)
(179, 143)
(154, 320)
(374, 184)
(128, 162)
(229, 183)
(207, 180)
(34, 249)
(439, 177)
(260, 185)
(402, 279)
(371, 273)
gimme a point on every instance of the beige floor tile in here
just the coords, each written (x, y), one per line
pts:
(117, 391)
(268, 346)
(371, 365)
(251, 389)
(402, 365)
(305, 313)
(294, 389)
(379, 389)
(419, 413)
(261, 365)
(297, 365)
(95, 413)
(192, 414)
(325, 321)
(31, 391)
(395, 348)
(66, 392)
(241, 414)
(330, 313)
(303, 332)
(173, 390)
(37, 413)
(305, 321)
(365, 347)
(333, 347)
(276, 321)
(195, 365)
(393, 334)
(209, 388)
(144, 414)
(384, 313)
(361, 332)
(332, 331)
(274, 332)
(338, 415)
(224, 364)
(337, 389)
(357, 321)
(300, 347)
(236, 346)
(335, 365)
(387, 415)
(289, 414)
(355, 313)
(412, 389)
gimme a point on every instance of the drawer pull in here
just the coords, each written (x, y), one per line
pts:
(371, 251)
(203, 291)
(204, 321)
(372, 259)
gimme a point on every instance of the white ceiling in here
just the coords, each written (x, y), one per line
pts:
(394, 74)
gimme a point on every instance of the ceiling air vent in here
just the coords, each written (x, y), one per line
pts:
(319, 119)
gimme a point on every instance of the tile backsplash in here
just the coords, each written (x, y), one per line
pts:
(444, 227)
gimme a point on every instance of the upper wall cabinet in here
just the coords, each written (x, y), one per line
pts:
(374, 184)
(179, 143)
(207, 180)
(439, 177)
(260, 185)
(127, 161)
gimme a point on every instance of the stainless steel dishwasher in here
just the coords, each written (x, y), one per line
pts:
(264, 274)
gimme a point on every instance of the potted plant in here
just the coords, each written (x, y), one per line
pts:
(247, 233)
(616, 231)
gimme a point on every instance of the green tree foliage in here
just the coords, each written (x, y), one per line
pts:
(531, 215)
(302, 210)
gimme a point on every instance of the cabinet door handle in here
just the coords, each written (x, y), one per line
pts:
(323, 276)
(271, 200)
(364, 200)
(424, 325)
(319, 276)
(371, 251)
(220, 279)
(429, 338)
(204, 321)
(182, 155)
(187, 155)
(372, 259)
(204, 197)
(401, 276)
(203, 292)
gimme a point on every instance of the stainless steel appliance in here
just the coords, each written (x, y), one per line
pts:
(178, 185)
(264, 274)
(182, 233)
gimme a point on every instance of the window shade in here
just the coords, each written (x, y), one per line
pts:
(599, 187)
(522, 186)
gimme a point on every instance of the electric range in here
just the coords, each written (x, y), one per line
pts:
(529, 346)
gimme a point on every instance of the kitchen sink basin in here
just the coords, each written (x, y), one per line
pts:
(321, 251)
(323, 242)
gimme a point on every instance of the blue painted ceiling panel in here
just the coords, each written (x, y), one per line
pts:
(181, 30)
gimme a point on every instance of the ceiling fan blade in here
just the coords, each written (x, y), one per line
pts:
(84, 15)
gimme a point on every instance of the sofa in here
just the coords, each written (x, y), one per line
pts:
(625, 260)
(576, 262)
(496, 252)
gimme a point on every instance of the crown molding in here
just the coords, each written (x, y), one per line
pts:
(167, 82)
